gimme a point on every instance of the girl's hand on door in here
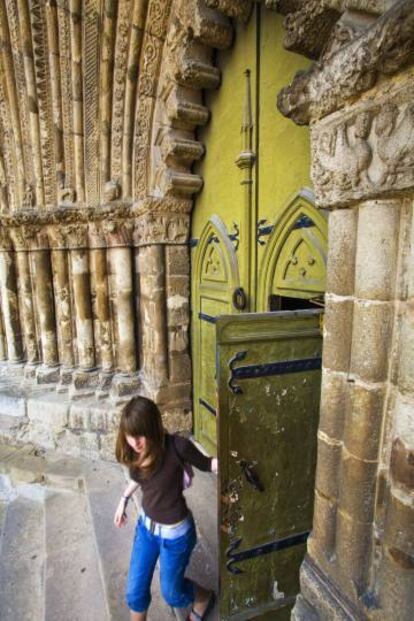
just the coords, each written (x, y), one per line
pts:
(214, 465)
(120, 518)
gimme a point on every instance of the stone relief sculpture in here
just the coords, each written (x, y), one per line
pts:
(395, 142)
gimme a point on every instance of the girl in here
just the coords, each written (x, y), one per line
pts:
(165, 527)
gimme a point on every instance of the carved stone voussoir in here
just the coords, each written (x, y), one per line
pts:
(307, 30)
(376, 7)
(386, 47)
(232, 8)
(204, 24)
(161, 228)
(366, 151)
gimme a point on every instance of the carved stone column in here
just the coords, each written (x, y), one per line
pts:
(61, 282)
(360, 557)
(102, 314)
(153, 315)
(45, 304)
(85, 377)
(26, 301)
(122, 296)
(9, 301)
(162, 266)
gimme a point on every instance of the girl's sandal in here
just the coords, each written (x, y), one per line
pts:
(198, 617)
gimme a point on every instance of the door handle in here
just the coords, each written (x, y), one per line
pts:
(251, 475)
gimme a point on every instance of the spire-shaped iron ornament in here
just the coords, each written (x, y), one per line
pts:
(246, 157)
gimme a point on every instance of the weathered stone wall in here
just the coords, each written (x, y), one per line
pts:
(358, 101)
(99, 103)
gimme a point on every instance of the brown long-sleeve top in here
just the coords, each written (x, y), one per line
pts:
(162, 492)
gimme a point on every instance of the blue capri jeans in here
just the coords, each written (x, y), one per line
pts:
(174, 556)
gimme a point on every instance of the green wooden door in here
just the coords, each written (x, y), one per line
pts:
(251, 222)
(268, 373)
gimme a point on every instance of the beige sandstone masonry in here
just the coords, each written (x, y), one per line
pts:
(358, 100)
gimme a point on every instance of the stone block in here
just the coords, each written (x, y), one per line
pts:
(395, 586)
(316, 589)
(178, 310)
(377, 247)
(107, 446)
(364, 420)
(173, 393)
(399, 523)
(176, 419)
(353, 553)
(334, 403)
(47, 375)
(357, 482)
(371, 342)
(12, 405)
(337, 333)
(79, 416)
(178, 341)
(341, 254)
(42, 436)
(180, 368)
(321, 544)
(51, 411)
(406, 367)
(327, 470)
(177, 259)
(178, 285)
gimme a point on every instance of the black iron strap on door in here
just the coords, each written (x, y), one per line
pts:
(267, 548)
(281, 367)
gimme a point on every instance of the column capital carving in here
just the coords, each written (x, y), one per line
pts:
(97, 236)
(76, 235)
(5, 240)
(366, 151)
(57, 237)
(161, 228)
(118, 232)
(19, 239)
(36, 236)
(384, 48)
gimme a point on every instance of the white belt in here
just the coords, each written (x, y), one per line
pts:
(166, 531)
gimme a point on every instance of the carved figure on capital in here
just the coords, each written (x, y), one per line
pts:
(57, 237)
(157, 228)
(395, 142)
(36, 236)
(5, 240)
(97, 235)
(342, 156)
(18, 238)
(367, 152)
(118, 232)
(76, 235)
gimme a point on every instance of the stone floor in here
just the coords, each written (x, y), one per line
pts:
(61, 558)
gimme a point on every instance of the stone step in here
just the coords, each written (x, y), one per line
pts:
(22, 560)
(104, 484)
(73, 585)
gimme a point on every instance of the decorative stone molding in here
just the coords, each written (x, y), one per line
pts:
(386, 47)
(118, 233)
(159, 228)
(233, 8)
(366, 151)
(376, 7)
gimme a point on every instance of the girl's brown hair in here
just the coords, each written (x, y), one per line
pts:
(140, 417)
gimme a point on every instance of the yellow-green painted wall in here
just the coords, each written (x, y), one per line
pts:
(283, 152)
